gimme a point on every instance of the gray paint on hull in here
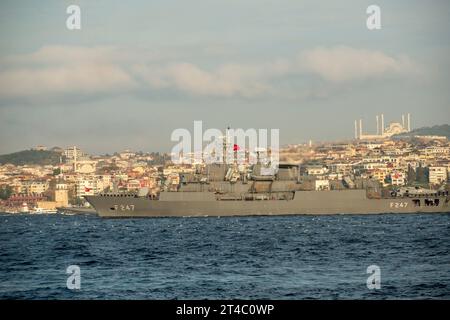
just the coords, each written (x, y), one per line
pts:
(304, 202)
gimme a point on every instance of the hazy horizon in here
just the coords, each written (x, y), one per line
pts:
(96, 153)
(137, 70)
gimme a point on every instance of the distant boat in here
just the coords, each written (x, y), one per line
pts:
(24, 208)
(43, 211)
(67, 213)
(75, 210)
(12, 211)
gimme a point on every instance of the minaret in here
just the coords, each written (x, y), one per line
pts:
(382, 124)
(360, 128)
(409, 122)
(60, 166)
(403, 121)
(356, 129)
(74, 159)
(225, 146)
(378, 126)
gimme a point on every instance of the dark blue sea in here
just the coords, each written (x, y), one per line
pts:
(298, 257)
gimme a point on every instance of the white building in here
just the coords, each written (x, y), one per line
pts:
(322, 185)
(316, 170)
(437, 175)
(398, 178)
(127, 154)
(73, 152)
(91, 185)
(374, 165)
(34, 187)
(341, 168)
(85, 166)
(86, 186)
(436, 151)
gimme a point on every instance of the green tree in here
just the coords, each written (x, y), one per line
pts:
(411, 174)
(422, 175)
(5, 192)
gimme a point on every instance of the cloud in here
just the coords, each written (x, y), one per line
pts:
(59, 70)
(65, 54)
(83, 79)
(226, 80)
(340, 64)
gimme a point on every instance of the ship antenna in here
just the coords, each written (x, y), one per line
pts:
(225, 145)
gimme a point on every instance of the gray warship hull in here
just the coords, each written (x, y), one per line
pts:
(201, 204)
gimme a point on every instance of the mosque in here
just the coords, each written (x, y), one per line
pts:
(383, 131)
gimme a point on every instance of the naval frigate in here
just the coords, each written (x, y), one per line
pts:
(224, 190)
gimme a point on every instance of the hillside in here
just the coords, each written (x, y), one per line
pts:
(31, 157)
(438, 130)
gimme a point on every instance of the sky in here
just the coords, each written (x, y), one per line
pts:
(138, 70)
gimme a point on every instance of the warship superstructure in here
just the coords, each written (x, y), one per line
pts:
(224, 190)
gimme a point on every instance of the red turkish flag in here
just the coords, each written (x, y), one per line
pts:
(236, 147)
(86, 189)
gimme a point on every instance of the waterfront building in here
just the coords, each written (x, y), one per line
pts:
(34, 187)
(437, 175)
(59, 198)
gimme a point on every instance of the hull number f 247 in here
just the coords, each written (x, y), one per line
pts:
(124, 207)
(398, 205)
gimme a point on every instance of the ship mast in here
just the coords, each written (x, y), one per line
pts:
(225, 145)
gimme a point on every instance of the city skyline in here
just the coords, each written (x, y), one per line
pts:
(375, 134)
(137, 71)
